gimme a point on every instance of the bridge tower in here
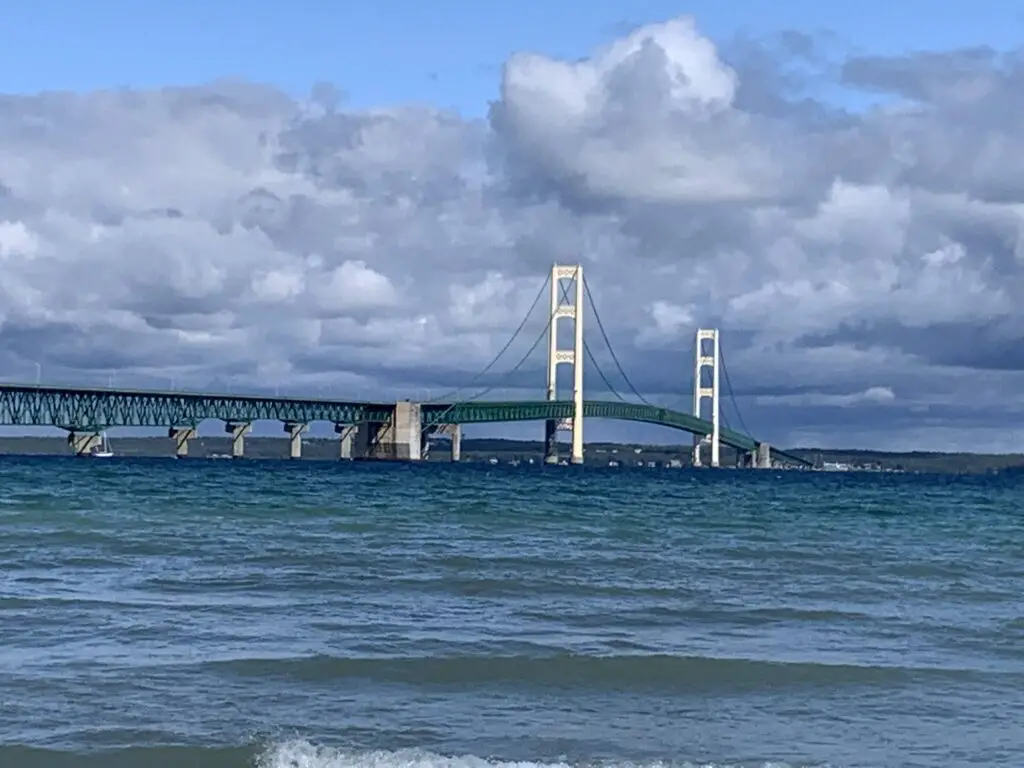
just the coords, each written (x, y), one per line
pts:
(574, 357)
(706, 356)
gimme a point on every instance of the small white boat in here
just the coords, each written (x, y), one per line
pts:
(102, 451)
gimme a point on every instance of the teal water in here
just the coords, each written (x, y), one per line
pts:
(310, 615)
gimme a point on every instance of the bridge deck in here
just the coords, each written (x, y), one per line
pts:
(84, 408)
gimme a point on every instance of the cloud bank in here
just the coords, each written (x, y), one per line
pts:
(865, 266)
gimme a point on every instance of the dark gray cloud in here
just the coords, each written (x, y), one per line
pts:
(865, 265)
(927, 77)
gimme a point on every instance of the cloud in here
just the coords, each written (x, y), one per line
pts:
(864, 264)
(646, 119)
(871, 395)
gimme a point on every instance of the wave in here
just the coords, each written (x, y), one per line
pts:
(575, 670)
(305, 754)
(302, 754)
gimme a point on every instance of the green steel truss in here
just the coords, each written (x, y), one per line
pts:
(482, 412)
(85, 409)
(99, 408)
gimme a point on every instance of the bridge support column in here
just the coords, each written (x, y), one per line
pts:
(295, 431)
(573, 357)
(238, 431)
(551, 441)
(763, 458)
(402, 437)
(348, 434)
(455, 432)
(83, 443)
(706, 356)
(365, 440)
(181, 436)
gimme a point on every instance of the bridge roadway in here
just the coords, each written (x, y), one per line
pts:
(84, 412)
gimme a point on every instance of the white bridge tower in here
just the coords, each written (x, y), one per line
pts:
(706, 356)
(572, 357)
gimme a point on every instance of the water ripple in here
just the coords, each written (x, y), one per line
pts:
(153, 608)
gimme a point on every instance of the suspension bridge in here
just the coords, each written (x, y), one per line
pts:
(400, 430)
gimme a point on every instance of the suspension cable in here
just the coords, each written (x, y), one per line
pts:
(590, 354)
(732, 396)
(604, 335)
(515, 368)
(597, 367)
(502, 351)
(547, 327)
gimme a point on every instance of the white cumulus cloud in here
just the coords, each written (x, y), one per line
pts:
(218, 235)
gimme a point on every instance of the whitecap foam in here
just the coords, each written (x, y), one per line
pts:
(303, 754)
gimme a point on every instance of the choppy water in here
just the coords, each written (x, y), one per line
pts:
(159, 613)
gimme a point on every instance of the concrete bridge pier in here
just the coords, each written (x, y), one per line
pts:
(455, 432)
(295, 431)
(238, 430)
(402, 437)
(763, 458)
(348, 434)
(551, 442)
(181, 436)
(365, 440)
(407, 431)
(82, 443)
(399, 438)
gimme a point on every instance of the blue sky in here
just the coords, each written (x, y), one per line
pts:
(446, 52)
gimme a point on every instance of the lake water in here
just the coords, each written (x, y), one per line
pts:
(270, 614)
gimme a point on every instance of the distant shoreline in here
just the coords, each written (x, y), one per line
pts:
(505, 450)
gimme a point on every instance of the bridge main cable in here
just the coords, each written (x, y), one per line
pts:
(590, 354)
(732, 396)
(521, 362)
(608, 343)
(486, 369)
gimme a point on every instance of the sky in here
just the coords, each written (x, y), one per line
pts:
(362, 200)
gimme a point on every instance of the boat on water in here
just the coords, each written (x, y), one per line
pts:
(102, 451)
